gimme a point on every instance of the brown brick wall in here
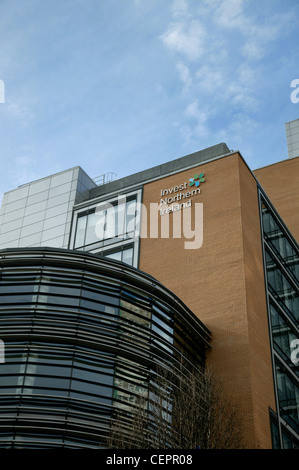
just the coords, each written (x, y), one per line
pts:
(258, 330)
(281, 182)
(222, 282)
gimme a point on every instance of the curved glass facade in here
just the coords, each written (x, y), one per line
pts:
(282, 281)
(83, 336)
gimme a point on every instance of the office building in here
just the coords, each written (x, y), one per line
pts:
(292, 133)
(198, 256)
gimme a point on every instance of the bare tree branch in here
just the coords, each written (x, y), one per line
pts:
(186, 408)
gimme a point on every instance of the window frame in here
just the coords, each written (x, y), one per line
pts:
(109, 245)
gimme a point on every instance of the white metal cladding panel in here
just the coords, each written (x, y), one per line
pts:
(39, 213)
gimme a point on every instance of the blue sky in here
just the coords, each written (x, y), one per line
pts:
(124, 85)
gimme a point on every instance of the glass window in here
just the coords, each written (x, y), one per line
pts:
(44, 356)
(36, 381)
(96, 283)
(137, 297)
(92, 396)
(162, 325)
(96, 363)
(288, 394)
(275, 434)
(99, 297)
(134, 313)
(164, 330)
(91, 388)
(80, 231)
(59, 290)
(116, 255)
(94, 228)
(127, 256)
(131, 216)
(52, 370)
(17, 288)
(89, 376)
(134, 324)
(59, 300)
(277, 239)
(107, 222)
(120, 219)
(9, 381)
(46, 439)
(29, 390)
(115, 221)
(282, 287)
(124, 255)
(282, 335)
(86, 352)
(17, 298)
(129, 387)
(289, 441)
(111, 223)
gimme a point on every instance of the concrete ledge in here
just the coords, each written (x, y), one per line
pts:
(160, 170)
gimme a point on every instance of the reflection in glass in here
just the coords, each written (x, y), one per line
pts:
(282, 287)
(283, 335)
(124, 255)
(110, 221)
(279, 242)
(130, 388)
(288, 395)
(80, 231)
(84, 347)
(116, 255)
(94, 228)
(127, 256)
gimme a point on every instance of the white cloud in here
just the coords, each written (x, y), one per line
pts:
(195, 125)
(185, 75)
(186, 133)
(241, 98)
(256, 32)
(186, 38)
(229, 14)
(223, 87)
(222, 39)
(18, 111)
(179, 8)
(253, 50)
(247, 74)
(210, 79)
(260, 36)
(193, 111)
(239, 126)
(200, 117)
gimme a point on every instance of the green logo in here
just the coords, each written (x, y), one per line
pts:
(197, 179)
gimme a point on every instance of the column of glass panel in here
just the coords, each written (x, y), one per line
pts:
(282, 268)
